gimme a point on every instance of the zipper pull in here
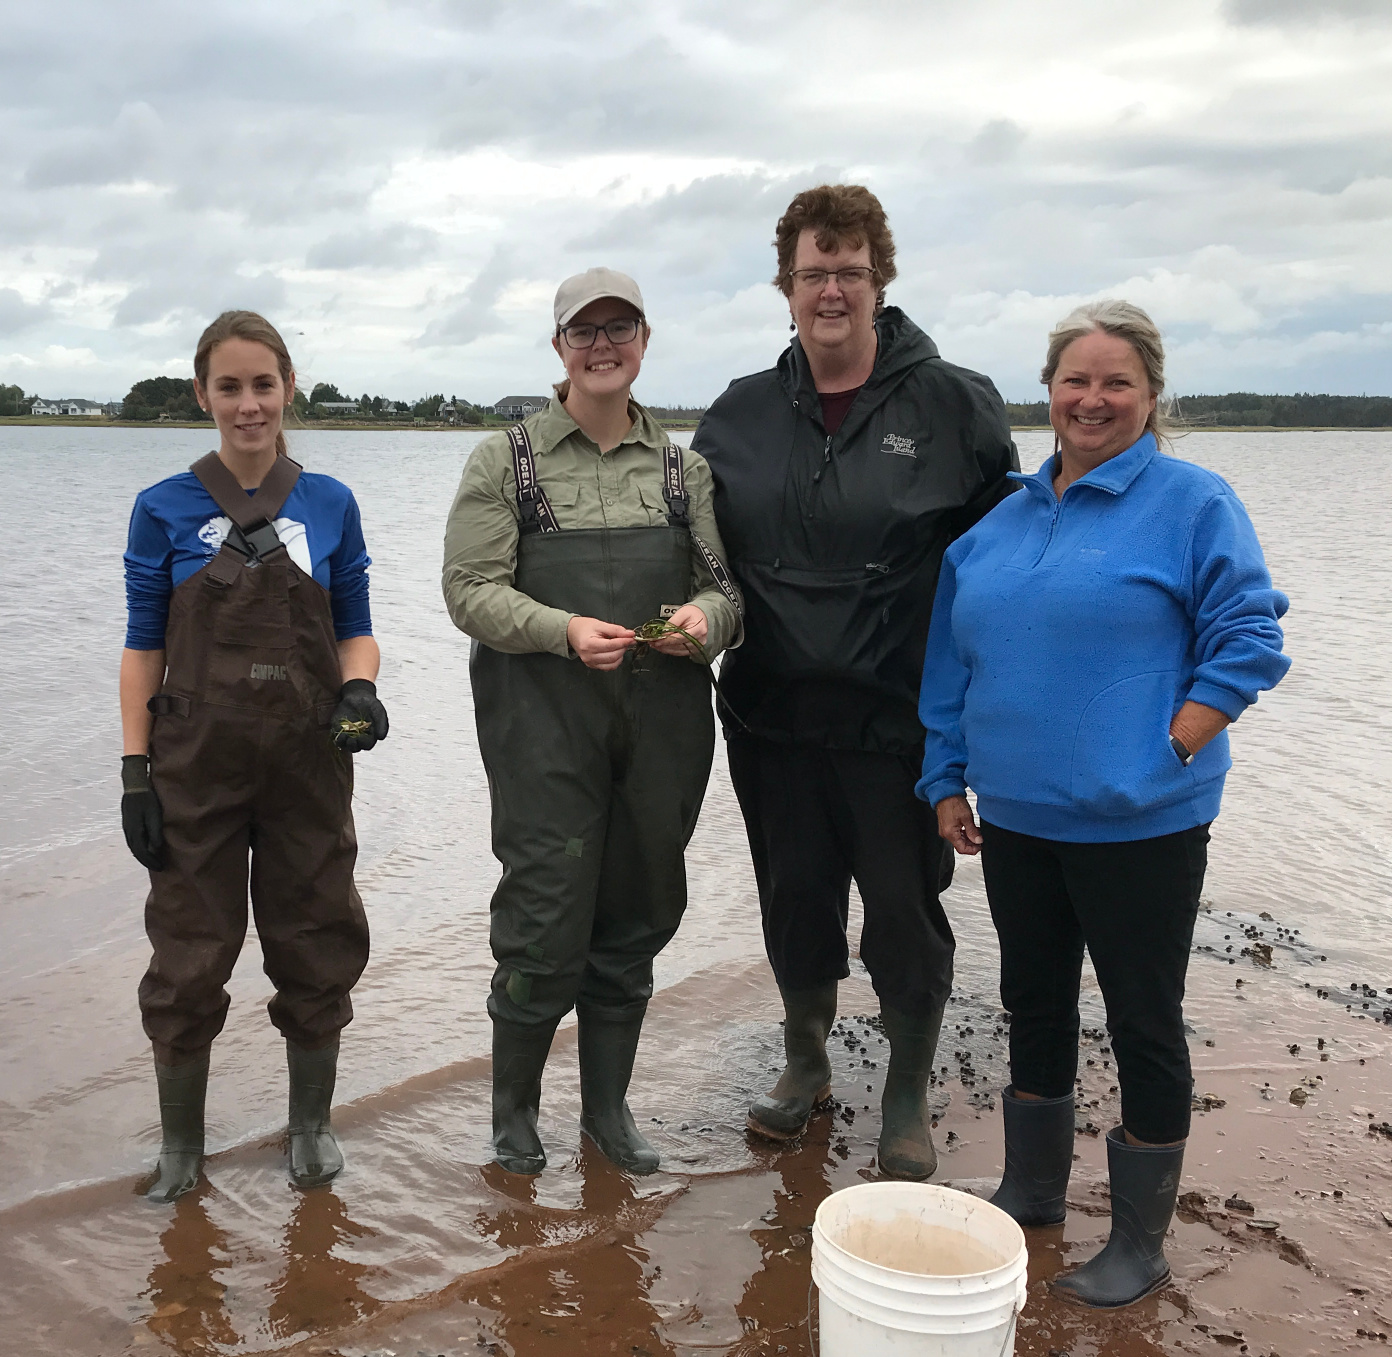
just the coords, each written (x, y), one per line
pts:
(877, 567)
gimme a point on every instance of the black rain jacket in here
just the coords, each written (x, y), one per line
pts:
(837, 540)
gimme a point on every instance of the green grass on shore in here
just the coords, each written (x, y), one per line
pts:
(375, 426)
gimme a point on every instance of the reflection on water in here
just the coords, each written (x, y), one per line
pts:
(712, 1255)
(321, 1288)
(186, 1293)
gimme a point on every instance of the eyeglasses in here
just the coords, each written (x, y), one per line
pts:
(621, 331)
(816, 279)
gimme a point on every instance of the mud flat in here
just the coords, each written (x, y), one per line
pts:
(1283, 1243)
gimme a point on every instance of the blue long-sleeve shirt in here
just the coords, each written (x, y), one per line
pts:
(1068, 631)
(176, 528)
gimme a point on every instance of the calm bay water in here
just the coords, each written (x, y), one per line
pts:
(1306, 830)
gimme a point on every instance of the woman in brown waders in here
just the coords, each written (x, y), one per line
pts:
(567, 534)
(246, 682)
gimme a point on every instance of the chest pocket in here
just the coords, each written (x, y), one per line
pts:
(654, 506)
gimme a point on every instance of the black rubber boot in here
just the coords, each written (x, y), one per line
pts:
(1145, 1182)
(906, 1136)
(1038, 1158)
(315, 1158)
(806, 1079)
(183, 1090)
(519, 1056)
(608, 1043)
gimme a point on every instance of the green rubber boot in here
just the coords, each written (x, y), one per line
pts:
(1145, 1183)
(519, 1056)
(608, 1044)
(805, 1082)
(315, 1158)
(906, 1137)
(183, 1090)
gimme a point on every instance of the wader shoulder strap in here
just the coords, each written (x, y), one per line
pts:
(252, 515)
(679, 516)
(534, 510)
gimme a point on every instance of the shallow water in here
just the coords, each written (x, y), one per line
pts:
(245, 1265)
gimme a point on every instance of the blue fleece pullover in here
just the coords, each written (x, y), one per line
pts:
(176, 528)
(1067, 633)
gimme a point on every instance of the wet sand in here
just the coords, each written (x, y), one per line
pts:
(421, 1249)
(417, 1249)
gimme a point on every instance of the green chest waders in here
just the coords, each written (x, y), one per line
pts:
(596, 781)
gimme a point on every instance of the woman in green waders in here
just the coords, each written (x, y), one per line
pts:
(568, 533)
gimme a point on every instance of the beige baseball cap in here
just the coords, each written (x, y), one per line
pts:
(579, 291)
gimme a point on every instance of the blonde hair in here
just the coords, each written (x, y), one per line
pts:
(1114, 317)
(244, 325)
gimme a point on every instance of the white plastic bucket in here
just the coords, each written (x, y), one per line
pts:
(916, 1270)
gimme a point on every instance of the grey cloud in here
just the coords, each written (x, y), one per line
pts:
(394, 246)
(206, 296)
(1304, 12)
(999, 141)
(101, 156)
(16, 314)
(471, 315)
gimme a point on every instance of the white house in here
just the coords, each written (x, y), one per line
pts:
(86, 409)
(340, 407)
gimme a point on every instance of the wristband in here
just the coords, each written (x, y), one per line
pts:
(135, 773)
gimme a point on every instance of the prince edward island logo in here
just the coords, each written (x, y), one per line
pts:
(898, 445)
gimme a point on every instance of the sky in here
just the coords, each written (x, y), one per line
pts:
(400, 185)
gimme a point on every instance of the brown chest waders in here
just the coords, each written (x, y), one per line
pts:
(242, 762)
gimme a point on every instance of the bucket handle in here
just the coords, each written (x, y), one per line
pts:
(816, 1347)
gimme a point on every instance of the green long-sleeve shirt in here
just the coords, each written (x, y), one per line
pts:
(621, 488)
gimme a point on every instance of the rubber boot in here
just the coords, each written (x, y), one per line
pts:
(519, 1056)
(608, 1043)
(906, 1137)
(315, 1158)
(1145, 1182)
(1038, 1158)
(806, 1079)
(183, 1090)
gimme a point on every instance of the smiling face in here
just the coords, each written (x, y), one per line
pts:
(607, 369)
(246, 395)
(832, 317)
(1100, 398)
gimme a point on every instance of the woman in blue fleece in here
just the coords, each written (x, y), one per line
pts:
(1093, 637)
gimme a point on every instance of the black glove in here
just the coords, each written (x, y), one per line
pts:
(141, 815)
(359, 720)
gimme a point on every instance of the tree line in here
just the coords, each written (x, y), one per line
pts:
(172, 398)
(1239, 408)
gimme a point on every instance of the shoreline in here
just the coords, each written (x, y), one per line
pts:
(1279, 1246)
(362, 426)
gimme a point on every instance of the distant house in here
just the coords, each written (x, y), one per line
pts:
(340, 407)
(519, 407)
(83, 408)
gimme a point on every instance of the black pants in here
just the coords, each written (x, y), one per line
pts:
(817, 818)
(1133, 904)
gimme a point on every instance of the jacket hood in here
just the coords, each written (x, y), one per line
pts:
(902, 347)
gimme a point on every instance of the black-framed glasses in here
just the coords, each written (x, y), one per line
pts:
(623, 330)
(816, 279)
